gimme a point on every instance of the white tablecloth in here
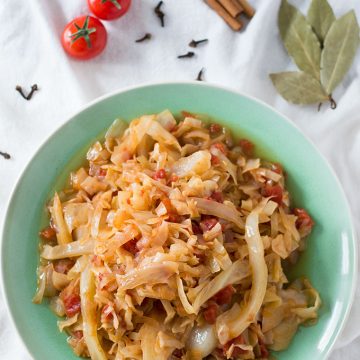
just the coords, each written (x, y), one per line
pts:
(30, 52)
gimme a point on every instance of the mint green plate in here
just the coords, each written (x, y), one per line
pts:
(330, 261)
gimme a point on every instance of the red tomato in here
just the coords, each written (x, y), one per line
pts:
(78, 334)
(210, 313)
(48, 233)
(224, 296)
(237, 351)
(63, 265)
(215, 128)
(215, 160)
(196, 228)
(109, 9)
(84, 37)
(247, 147)
(303, 220)
(159, 174)
(72, 305)
(221, 147)
(273, 191)
(208, 222)
(217, 196)
(131, 247)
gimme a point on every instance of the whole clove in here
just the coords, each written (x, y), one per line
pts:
(200, 75)
(195, 43)
(159, 13)
(30, 94)
(5, 155)
(147, 36)
(189, 54)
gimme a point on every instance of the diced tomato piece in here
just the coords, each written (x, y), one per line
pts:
(71, 299)
(215, 128)
(210, 313)
(48, 233)
(63, 266)
(175, 218)
(217, 196)
(303, 219)
(72, 304)
(263, 349)
(221, 147)
(224, 296)
(131, 247)
(78, 334)
(201, 255)
(208, 222)
(196, 228)
(102, 172)
(215, 160)
(159, 174)
(236, 341)
(247, 147)
(273, 191)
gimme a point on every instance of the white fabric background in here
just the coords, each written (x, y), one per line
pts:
(30, 52)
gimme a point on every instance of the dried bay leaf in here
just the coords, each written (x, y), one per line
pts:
(340, 46)
(298, 87)
(300, 41)
(320, 17)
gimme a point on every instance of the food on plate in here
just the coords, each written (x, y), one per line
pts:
(84, 37)
(109, 9)
(171, 243)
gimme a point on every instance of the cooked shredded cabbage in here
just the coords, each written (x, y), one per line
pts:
(170, 244)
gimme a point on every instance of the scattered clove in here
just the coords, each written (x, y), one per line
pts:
(147, 36)
(200, 75)
(195, 43)
(5, 155)
(189, 54)
(31, 93)
(159, 13)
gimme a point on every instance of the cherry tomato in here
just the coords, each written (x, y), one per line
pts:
(211, 313)
(109, 9)
(84, 37)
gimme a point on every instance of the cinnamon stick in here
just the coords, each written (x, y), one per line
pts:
(235, 24)
(248, 9)
(232, 7)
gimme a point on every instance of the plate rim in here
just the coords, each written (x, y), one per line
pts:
(355, 257)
